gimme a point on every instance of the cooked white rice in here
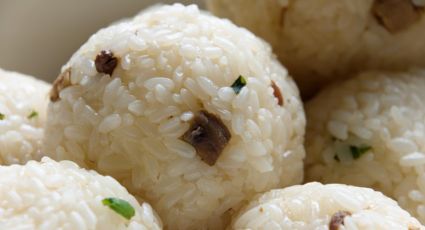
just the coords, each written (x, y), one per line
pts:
(326, 39)
(315, 206)
(174, 61)
(50, 195)
(370, 131)
(23, 105)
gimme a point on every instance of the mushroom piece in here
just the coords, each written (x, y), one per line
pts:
(337, 219)
(106, 62)
(208, 135)
(396, 15)
(277, 94)
(61, 82)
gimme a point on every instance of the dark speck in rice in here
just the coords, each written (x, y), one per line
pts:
(277, 94)
(208, 135)
(106, 62)
(337, 219)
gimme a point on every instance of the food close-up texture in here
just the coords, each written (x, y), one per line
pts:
(59, 195)
(212, 115)
(23, 105)
(370, 132)
(186, 109)
(320, 41)
(317, 206)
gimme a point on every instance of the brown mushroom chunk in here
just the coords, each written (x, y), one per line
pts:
(396, 15)
(208, 135)
(277, 94)
(61, 82)
(106, 62)
(337, 219)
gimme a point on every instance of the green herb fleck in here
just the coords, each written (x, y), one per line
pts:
(238, 84)
(2, 116)
(357, 152)
(120, 206)
(33, 114)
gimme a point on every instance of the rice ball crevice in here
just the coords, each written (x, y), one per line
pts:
(184, 109)
(317, 206)
(23, 105)
(60, 195)
(369, 131)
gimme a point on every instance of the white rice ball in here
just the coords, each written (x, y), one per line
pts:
(150, 101)
(370, 131)
(60, 195)
(23, 105)
(323, 40)
(316, 206)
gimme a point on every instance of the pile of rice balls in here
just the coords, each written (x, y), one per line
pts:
(177, 119)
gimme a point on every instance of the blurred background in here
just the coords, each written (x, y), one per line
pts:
(38, 36)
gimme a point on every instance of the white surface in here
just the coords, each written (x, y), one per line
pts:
(38, 36)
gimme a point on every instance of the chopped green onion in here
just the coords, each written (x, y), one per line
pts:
(120, 206)
(2, 116)
(238, 84)
(33, 114)
(357, 152)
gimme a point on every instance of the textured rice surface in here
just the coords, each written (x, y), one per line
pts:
(21, 130)
(174, 61)
(382, 116)
(51, 195)
(313, 206)
(326, 39)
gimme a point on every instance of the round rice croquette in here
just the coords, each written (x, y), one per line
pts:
(323, 40)
(187, 110)
(369, 131)
(23, 105)
(59, 195)
(317, 206)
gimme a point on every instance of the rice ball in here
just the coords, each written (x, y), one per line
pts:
(370, 131)
(323, 40)
(23, 105)
(186, 109)
(60, 195)
(317, 206)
